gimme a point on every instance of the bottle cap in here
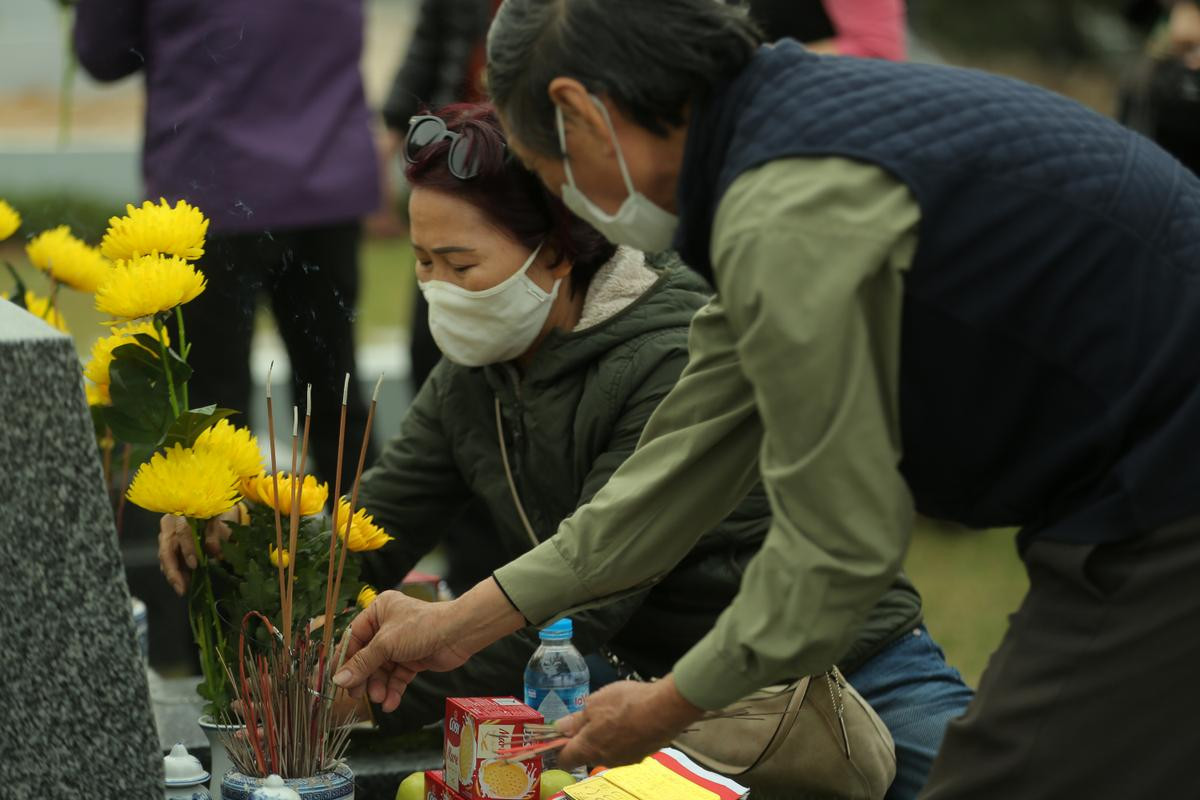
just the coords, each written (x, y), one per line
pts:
(558, 632)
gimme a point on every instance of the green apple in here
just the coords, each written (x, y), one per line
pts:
(553, 781)
(412, 787)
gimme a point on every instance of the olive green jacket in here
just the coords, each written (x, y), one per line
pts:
(573, 416)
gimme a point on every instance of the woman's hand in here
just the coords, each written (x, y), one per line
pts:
(177, 548)
(398, 636)
(624, 722)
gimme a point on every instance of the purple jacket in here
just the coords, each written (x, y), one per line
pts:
(255, 109)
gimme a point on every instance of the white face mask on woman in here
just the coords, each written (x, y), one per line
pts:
(638, 223)
(490, 325)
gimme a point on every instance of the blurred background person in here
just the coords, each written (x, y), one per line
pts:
(1162, 97)
(868, 28)
(255, 113)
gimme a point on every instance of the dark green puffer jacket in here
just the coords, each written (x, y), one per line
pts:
(569, 421)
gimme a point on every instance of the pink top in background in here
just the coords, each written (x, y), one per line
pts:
(869, 28)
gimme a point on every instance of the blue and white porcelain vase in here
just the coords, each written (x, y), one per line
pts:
(335, 785)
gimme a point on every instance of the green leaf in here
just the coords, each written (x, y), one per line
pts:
(180, 371)
(99, 424)
(141, 405)
(191, 424)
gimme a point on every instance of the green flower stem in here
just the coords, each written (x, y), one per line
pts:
(162, 347)
(184, 349)
(206, 623)
(52, 302)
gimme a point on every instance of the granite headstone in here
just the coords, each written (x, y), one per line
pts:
(75, 715)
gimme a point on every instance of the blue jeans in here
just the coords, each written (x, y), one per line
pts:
(915, 692)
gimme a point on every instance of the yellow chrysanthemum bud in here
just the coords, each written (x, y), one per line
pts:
(186, 483)
(261, 489)
(156, 228)
(10, 220)
(366, 596)
(148, 285)
(96, 370)
(237, 445)
(287, 559)
(40, 307)
(67, 259)
(364, 533)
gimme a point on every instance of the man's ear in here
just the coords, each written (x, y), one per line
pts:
(581, 117)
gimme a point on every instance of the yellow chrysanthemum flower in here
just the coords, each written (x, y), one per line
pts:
(237, 445)
(261, 489)
(10, 220)
(186, 483)
(287, 559)
(96, 370)
(364, 533)
(156, 228)
(366, 596)
(67, 259)
(97, 394)
(40, 307)
(148, 285)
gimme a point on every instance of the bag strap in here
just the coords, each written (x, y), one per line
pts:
(787, 722)
(620, 666)
(512, 484)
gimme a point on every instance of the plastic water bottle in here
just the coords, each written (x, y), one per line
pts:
(556, 678)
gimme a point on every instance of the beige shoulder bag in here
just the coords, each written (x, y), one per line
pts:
(812, 739)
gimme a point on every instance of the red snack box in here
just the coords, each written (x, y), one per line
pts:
(436, 788)
(476, 727)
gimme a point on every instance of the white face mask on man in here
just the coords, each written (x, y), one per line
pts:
(638, 223)
(490, 325)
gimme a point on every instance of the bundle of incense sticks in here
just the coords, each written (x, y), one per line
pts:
(285, 695)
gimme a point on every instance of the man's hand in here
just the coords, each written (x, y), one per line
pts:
(624, 722)
(398, 636)
(177, 547)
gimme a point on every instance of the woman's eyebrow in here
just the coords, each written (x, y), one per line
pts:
(452, 249)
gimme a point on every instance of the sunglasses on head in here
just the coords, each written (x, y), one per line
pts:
(425, 130)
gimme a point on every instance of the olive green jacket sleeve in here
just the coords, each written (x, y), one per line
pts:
(413, 490)
(794, 373)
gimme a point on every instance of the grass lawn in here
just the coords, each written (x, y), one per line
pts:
(970, 581)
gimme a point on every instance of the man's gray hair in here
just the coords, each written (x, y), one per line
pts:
(653, 58)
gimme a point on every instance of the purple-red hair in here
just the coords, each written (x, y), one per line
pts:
(508, 194)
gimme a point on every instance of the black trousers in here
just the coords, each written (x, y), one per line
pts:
(310, 278)
(1093, 693)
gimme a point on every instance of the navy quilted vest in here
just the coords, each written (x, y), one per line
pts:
(1050, 352)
